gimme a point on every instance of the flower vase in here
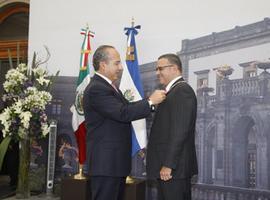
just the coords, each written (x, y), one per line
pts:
(23, 189)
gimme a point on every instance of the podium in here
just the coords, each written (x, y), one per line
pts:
(135, 190)
(80, 189)
(72, 188)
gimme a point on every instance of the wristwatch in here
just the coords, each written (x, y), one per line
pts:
(152, 106)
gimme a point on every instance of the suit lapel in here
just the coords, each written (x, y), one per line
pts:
(179, 81)
(160, 110)
(120, 94)
(107, 85)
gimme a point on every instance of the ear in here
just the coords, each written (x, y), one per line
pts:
(102, 66)
(176, 70)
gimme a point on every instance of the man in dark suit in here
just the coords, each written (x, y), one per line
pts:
(108, 117)
(171, 155)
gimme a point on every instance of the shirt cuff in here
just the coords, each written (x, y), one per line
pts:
(150, 102)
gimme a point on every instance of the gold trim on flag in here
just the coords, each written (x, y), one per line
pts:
(130, 49)
(83, 68)
(130, 57)
(86, 51)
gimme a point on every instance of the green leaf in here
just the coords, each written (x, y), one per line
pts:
(3, 149)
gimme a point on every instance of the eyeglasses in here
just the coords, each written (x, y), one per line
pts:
(160, 68)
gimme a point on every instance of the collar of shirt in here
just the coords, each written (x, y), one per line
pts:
(104, 77)
(171, 83)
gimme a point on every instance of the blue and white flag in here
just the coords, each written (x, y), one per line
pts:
(131, 87)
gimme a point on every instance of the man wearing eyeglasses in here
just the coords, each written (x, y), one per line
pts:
(171, 155)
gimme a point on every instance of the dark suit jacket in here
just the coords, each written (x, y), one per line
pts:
(108, 117)
(172, 140)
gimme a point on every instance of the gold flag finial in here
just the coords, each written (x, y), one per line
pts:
(132, 22)
(80, 175)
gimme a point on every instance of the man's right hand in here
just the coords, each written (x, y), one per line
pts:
(157, 96)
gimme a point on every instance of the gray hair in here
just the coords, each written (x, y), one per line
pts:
(101, 55)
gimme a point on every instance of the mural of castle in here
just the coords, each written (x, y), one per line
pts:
(233, 91)
(233, 133)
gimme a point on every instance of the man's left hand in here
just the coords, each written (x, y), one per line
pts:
(165, 173)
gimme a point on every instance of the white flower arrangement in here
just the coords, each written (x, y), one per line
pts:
(26, 96)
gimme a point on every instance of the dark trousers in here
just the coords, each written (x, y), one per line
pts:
(174, 189)
(107, 188)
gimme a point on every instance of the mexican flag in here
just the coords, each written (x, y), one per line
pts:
(77, 109)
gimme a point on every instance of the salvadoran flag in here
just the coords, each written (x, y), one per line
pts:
(131, 87)
(78, 119)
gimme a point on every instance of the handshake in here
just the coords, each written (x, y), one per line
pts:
(157, 96)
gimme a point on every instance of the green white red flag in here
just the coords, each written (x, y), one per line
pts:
(77, 109)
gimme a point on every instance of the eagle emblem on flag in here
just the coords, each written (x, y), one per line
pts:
(79, 103)
(129, 95)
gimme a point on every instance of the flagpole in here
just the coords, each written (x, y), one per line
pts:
(129, 179)
(132, 22)
(82, 82)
